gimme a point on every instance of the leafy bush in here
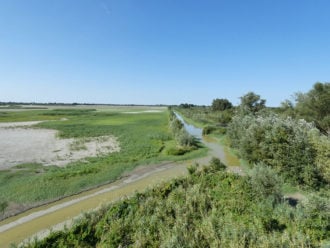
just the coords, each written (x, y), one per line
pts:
(183, 138)
(221, 104)
(208, 129)
(265, 182)
(216, 164)
(282, 143)
(176, 151)
(314, 105)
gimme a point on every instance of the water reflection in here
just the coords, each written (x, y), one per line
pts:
(195, 131)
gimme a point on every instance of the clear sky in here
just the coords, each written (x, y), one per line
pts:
(161, 51)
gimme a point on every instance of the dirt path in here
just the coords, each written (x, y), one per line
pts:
(39, 221)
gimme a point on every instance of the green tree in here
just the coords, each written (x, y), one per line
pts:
(314, 105)
(221, 104)
(251, 103)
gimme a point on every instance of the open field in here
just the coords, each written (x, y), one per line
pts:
(143, 138)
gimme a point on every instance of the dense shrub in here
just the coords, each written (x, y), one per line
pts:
(216, 164)
(205, 115)
(221, 104)
(266, 182)
(282, 143)
(208, 129)
(209, 208)
(314, 105)
(183, 138)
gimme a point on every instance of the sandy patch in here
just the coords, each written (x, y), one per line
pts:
(21, 144)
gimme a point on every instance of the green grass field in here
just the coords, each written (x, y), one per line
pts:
(143, 139)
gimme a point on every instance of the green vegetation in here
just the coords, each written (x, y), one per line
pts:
(27, 115)
(143, 138)
(3, 206)
(221, 104)
(204, 116)
(287, 145)
(185, 141)
(209, 208)
(296, 149)
(313, 105)
(251, 103)
(278, 137)
(214, 208)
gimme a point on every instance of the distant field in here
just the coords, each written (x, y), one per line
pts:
(141, 132)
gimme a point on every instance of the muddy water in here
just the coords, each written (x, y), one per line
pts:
(38, 221)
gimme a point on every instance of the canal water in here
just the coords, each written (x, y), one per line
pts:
(194, 131)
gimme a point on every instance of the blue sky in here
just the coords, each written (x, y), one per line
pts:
(161, 51)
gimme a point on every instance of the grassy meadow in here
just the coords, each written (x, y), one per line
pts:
(143, 137)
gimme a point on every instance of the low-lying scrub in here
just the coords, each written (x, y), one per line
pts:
(185, 141)
(295, 148)
(208, 208)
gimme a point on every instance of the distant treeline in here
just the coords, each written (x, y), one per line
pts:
(75, 103)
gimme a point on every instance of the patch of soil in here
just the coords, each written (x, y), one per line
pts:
(21, 144)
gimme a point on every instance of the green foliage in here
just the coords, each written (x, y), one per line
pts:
(208, 129)
(186, 105)
(216, 164)
(251, 103)
(3, 206)
(183, 138)
(214, 130)
(209, 208)
(221, 104)
(284, 144)
(321, 144)
(314, 215)
(314, 105)
(287, 108)
(265, 182)
(201, 116)
(192, 168)
(177, 151)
